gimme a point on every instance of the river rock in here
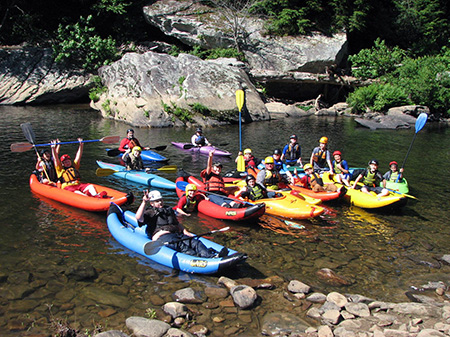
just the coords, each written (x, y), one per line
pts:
(317, 298)
(295, 286)
(146, 327)
(111, 333)
(30, 75)
(243, 296)
(189, 295)
(216, 292)
(282, 324)
(144, 88)
(339, 299)
(106, 297)
(227, 282)
(175, 309)
(358, 309)
(82, 272)
(330, 277)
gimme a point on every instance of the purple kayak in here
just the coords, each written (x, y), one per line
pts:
(201, 149)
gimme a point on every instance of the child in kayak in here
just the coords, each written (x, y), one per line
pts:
(394, 174)
(133, 160)
(252, 191)
(371, 179)
(340, 168)
(188, 203)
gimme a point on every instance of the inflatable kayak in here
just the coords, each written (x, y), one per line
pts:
(213, 207)
(146, 155)
(124, 228)
(139, 177)
(401, 186)
(370, 200)
(79, 200)
(201, 149)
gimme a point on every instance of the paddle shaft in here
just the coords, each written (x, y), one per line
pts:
(29, 135)
(240, 97)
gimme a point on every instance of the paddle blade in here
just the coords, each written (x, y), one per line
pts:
(188, 146)
(28, 132)
(168, 168)
(241, 163)
(113, 152)
(181, 185)
(110, 139)
(104, 172)
(153, 247)
(421, 120)
(240, 97)
(21, 147)
(159, 148)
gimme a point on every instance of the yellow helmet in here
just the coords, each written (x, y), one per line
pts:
(248, 151)
(191, 187)
(136, 149)
(323, 140)
(268, 160)
(307, 166)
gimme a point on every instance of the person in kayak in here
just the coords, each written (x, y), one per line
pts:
(133, 160)
(269, 177)
(198, 139)
(321, 157)
(45, 166)
(292, 152)
(313, 181)
(394, 174)
(371, 179)
(250, 160)
(162, 224)
(279, 165)
(252, 191)
(188, 203)
(340, 168)
(129, 142)
(69, 175)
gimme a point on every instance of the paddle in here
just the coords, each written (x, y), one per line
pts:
(22, 147)
(29, 135)
(240, 98)
(153, 247)
(104, 172)
(116, 152)
(420, 123)
(188, 146)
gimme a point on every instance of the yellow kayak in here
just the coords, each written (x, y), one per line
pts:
(369, 200)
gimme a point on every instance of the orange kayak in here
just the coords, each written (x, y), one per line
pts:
(79, 200)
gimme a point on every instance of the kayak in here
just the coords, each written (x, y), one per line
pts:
(81, 201)
(401, 186)
(146, 155)
(124, 228)
(213, 207)
(370, 200)
(202, 149)
(323, 196)
(140, 177)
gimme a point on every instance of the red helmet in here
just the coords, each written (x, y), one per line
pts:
(337, 152)
(393, 163)
(64, 157)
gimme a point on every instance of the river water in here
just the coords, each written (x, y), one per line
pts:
(42, 241)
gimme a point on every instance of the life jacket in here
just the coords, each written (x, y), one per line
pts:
(278, 164)
(311, 178)
(392, 176)
(293, 152)
(256, 192)
(271, 178)
(50, 169)
(69, 176)
(336, 169)
(320, 157)
(200, 140)
(370, 178)
(215, 183)
(250, 162)
(135, 163)
(166, 220)
(191, 204)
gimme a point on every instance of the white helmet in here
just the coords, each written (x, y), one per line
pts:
(155, 195)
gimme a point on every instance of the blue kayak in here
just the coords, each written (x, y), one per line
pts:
(124, 228)
(139, 177)
(146, 155)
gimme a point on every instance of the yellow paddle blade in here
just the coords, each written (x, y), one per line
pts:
(168, 168)
(104, 172)
(241, 164)
(240, 97)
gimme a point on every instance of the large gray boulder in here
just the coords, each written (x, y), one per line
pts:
(30, 76)
(147, 89)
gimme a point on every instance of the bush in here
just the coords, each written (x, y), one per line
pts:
(97, 89)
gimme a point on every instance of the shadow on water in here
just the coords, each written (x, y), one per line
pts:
(43, 242)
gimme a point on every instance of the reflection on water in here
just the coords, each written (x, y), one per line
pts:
(42, 240)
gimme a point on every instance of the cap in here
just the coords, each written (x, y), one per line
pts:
(249, 177)
(248, 151)
(199, 130)
(337, 153)
(130, 130)
(155, 195)
(64, 157)
(277, 151)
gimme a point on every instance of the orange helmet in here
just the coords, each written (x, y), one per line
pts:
(323, 140)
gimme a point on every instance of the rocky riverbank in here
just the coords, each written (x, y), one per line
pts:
(298, 310)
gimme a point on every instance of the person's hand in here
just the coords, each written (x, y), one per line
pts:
(147, 170)
(80, 140)
(53, 143)
(146, 198)
(240, 153)
(401, 170)
(211, 153)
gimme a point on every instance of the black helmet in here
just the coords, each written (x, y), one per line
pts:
(218, 163)
(199, 130)
(277, 151)
(130, 130)
(249, 177)
(373, 161)
(44, 151)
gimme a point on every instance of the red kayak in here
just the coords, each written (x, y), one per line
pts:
(79, 200)
(213, 207)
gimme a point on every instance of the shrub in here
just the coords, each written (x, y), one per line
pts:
(98, 89)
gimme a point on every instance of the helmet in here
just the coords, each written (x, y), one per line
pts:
(373, 161)
(249, 177)
(191, 187)
(323, 140)
(64, 157)
(293, 137)
(199, 130)
(248, 151)
(268, 160)
(44, 151)
(307, 166)
(218, 164)
(277, 151)
(136, 149)
(155, 195)
(130, 130)
(393, 163)
(337, 153)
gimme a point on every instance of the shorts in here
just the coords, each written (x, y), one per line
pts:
(376, 189)
(80, 187)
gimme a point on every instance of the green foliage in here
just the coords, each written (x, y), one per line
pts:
(200, 109)
(98, 89)
(150, 313)
(106, 105)
(211, 54)
(377, 97)
(183, 115)
(377, 61)
(80, 45)
(113, 6)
